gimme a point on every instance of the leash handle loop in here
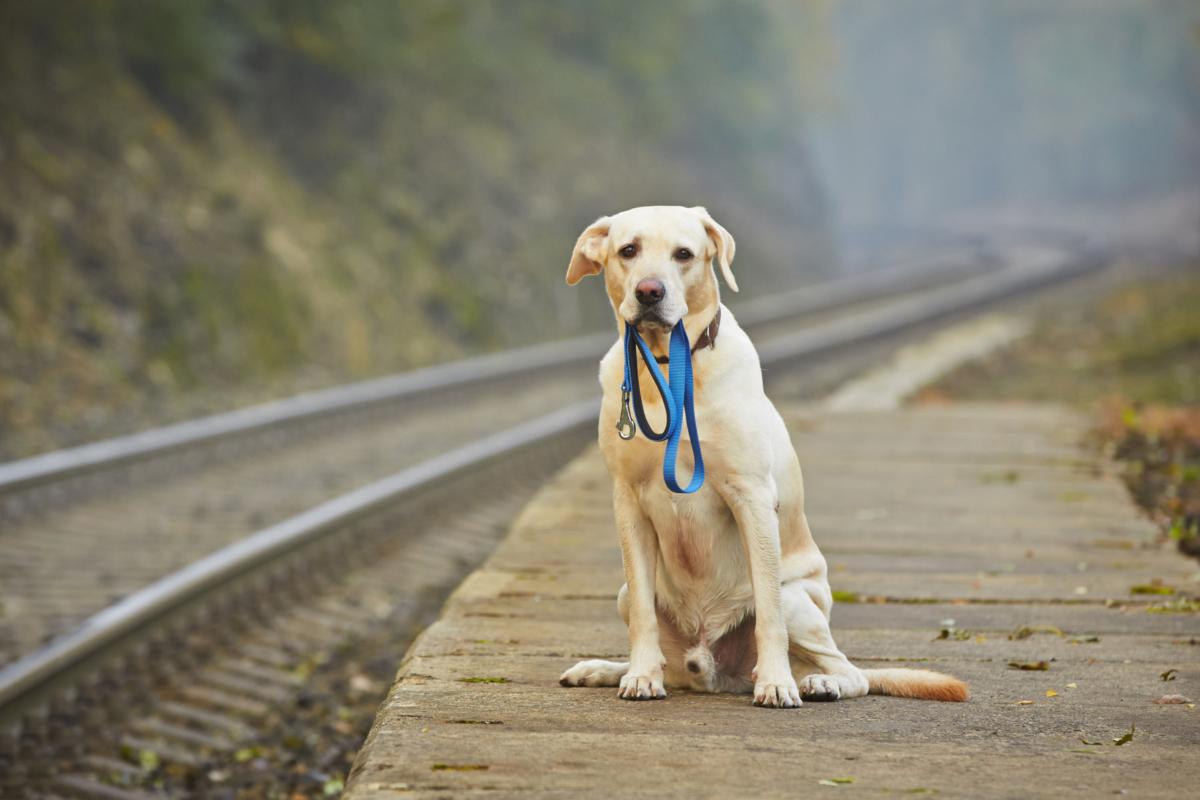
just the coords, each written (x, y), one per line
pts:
(678, 400)
(633, 345)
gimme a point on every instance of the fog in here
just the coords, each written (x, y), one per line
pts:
(938, 110)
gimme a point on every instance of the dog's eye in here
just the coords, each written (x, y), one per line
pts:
(683, 254)
(628, 251)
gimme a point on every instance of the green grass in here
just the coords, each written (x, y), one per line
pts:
(1140, 342)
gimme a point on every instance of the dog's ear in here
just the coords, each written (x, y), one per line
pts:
(722, 241)
(588, 256)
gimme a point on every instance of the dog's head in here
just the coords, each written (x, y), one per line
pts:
(657, 262)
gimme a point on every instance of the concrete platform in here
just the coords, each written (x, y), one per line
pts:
(979, 520)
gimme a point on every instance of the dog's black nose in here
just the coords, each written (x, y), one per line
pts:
(649, 291)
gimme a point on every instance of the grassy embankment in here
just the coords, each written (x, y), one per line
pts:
(1132, 359)
(211, 203)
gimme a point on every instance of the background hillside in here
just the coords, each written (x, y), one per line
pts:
(252, 197)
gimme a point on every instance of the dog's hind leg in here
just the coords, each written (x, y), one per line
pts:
(595, 672)
(821, 670)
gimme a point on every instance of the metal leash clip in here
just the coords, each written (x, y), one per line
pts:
(626, 428)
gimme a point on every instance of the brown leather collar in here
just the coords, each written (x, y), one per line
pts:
(707, 338)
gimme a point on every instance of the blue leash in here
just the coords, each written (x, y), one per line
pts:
(676, 397)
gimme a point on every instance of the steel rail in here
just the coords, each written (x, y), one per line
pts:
(59, 465)
(29, 675)
(30, 682)
(908, 312)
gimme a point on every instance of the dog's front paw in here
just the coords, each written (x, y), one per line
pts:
(638, 685)
(780, 692)
(820, 687)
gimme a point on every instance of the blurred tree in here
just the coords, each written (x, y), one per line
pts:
(268, 194)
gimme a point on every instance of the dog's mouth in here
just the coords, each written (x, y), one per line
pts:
(651, 321)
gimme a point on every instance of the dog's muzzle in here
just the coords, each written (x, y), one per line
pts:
(652, 320)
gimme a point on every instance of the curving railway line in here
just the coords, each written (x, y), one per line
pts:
(160, 590)
(85, 527)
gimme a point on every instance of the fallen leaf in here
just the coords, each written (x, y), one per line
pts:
(1169, 675)
(835, 781)
(1051, 693)
(1085, 741)
(841, 596)
(1084, 639)
(1024, 702)
(246, 754)
(953, 633)
(1072, 686)
(1033, 666)
(1025, 631)
(1115, 544)
(1125, 738)
(1172, 700)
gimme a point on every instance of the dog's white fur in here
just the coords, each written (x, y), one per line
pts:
(725, 588)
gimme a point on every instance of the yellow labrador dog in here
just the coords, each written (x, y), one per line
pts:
(725, 589)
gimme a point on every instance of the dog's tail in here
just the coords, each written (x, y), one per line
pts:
(920, 684)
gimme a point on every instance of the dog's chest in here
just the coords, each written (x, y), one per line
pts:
(703, 576)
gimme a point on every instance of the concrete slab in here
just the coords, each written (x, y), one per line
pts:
(977, 520)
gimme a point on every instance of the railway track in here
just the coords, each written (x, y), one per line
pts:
(246, 542)
(85, 527)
